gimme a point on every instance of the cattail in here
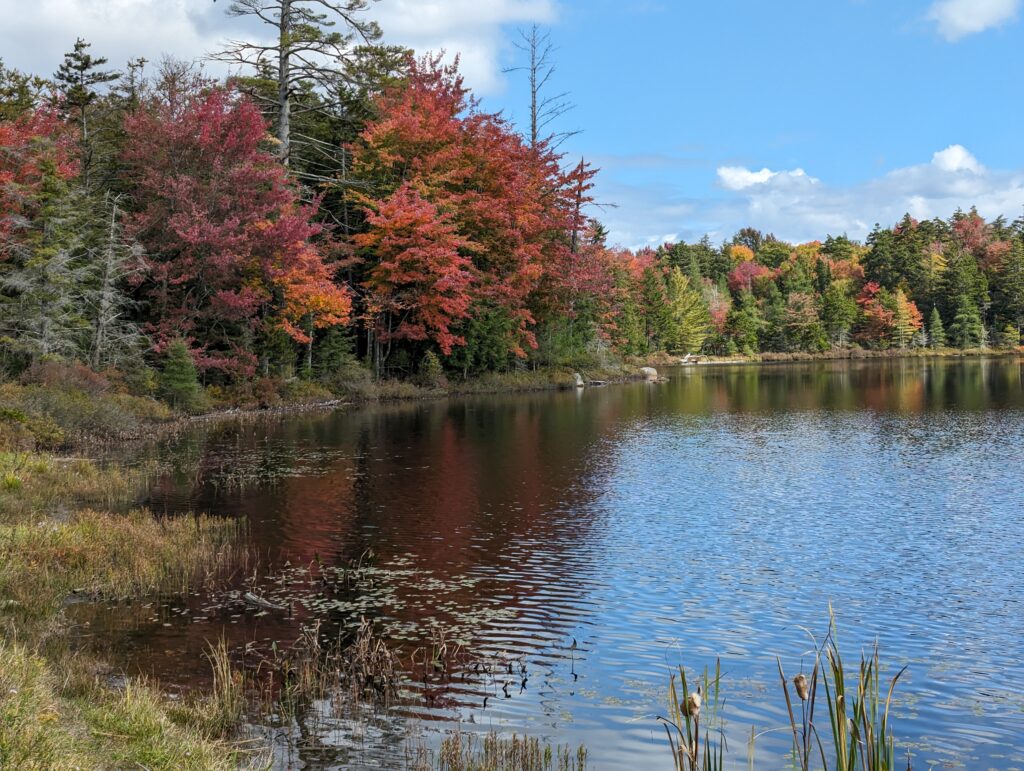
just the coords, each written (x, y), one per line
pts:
(693, 704)
(800, 683)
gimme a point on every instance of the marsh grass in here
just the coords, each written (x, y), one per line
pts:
(94, 554)
(461, 751)
(347, 677)
(35, 485)
(57, 707)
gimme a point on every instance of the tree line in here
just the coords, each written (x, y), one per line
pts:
(339, 203)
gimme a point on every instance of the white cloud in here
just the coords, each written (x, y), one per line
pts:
(476, 30)
(797, 207)
(957, 19)
(740, 178)
(35, 35)
(957, 158)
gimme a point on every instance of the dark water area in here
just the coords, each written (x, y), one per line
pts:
(714, 515)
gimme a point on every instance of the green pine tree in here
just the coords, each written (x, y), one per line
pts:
(936, 332)
(688, 318)
(744, 324)
(967, 330)
(179, 381)
(1010, 336)
(78, 78)
(838, 313)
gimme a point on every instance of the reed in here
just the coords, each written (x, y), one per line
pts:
(225, 705)
(859, 736)
(687, 712)
(462, 751)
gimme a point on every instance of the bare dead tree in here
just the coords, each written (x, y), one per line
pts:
(307, 49)
(540, 68)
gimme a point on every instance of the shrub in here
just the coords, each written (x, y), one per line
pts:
(67, 376)
(351, 381)
(431, 373)
(305, 392)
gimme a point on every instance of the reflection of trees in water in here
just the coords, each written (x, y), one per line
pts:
(490, 512)
(903, 385)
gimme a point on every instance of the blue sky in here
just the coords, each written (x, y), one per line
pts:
(801, 118)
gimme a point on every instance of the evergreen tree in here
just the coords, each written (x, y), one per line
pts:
(936, 332)
(773, 331)
(78, 78)
(19, 93)
(967, 330)
(688, 320)
(114, 338)
(1009, 290)
(335, 352)
(42, 312)
(1010, 336)
(629, 331)
(305, 37)
(656, 312)
(745, 323)
(838, 313)
(962, 279)
(179, 380)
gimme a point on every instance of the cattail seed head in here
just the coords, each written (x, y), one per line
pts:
(693, 704)
(800, 683)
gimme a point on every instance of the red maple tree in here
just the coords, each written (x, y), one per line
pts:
(233, 254)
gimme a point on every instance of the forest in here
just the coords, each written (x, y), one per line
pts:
(341, 209)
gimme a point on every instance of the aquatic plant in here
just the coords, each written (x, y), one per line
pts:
(462, 751)
(683, 723)
(859, 736)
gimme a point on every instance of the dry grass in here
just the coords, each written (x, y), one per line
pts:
(99, 554)
(492, 752)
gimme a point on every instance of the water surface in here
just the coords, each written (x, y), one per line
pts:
(655, 524)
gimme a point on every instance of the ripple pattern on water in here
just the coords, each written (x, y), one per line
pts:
(714, 516)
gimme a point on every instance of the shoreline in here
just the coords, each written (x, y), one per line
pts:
(561, 380)
(855, 354)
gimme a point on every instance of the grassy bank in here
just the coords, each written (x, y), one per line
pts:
(59, 407)
(57, 707)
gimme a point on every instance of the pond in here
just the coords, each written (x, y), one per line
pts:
(715, 515)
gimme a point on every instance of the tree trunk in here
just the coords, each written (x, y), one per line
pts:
(309, 349)
(283, 85)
